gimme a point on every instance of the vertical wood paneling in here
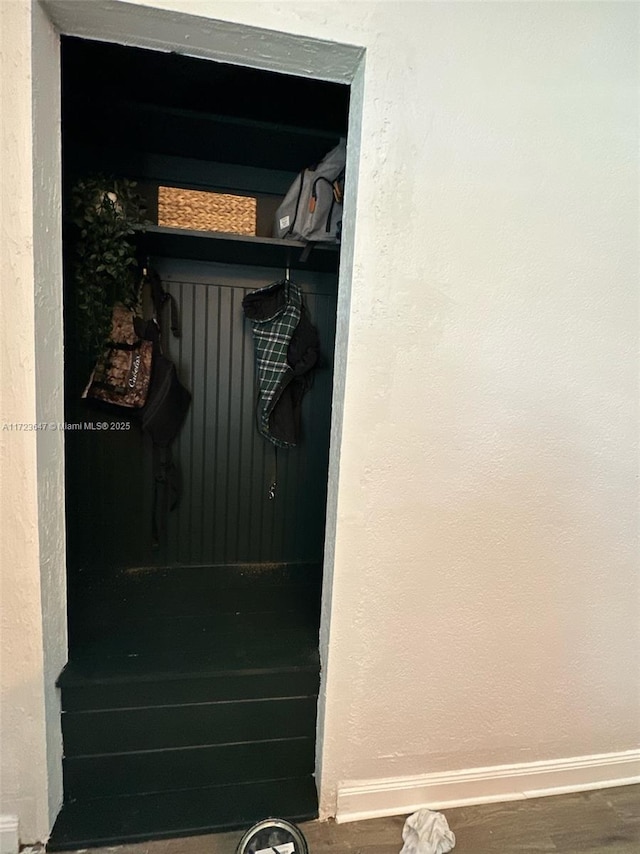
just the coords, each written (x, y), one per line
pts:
(220, 429)
(184, 361)
(233, 521)
(197, 432)
(210, 437)
(247, 478)
(224, 515)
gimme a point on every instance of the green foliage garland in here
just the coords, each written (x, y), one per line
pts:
(104, 269)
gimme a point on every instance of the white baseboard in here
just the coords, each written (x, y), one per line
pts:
(9, 841)
(399, 795)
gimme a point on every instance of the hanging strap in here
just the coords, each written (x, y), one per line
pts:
(166, 480)
(169, 298)
(159, 299)
(304, 255)
(273, 480)
(166, 491)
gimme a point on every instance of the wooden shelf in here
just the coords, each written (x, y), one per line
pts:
(237, 249)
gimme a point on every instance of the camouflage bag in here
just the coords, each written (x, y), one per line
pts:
(122, 374)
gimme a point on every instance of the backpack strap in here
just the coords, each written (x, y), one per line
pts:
(166, 491)
(166, 477)
(159, 299)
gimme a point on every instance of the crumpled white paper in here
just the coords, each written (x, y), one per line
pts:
(427, 832)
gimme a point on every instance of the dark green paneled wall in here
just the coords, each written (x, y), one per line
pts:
(225, 514)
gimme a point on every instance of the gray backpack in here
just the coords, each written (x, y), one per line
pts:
(312, 208)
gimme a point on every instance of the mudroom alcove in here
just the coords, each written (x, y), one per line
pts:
(189, 698)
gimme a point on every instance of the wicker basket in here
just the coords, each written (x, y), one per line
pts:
(200, 211)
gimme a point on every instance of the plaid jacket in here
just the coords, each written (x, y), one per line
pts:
(274, 313)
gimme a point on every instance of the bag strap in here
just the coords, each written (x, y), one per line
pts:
(159, 299)
(122, 345)
(166, 479)
(273, 479)
(166, 491)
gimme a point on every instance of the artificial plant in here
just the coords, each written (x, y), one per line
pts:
(106, 211)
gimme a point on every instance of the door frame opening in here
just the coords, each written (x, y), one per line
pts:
(222, 41)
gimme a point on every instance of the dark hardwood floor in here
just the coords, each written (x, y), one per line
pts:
(607, 820)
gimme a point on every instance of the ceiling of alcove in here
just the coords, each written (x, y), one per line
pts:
(103, 71)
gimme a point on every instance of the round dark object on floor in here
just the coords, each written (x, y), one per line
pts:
(273, 836)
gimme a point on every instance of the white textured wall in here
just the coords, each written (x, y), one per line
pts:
(33, 603)
(485, 584)
(486, 579)
(485, 597)
(47, 239)
(23, 765)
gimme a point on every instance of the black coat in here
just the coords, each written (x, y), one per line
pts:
(302, 356)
